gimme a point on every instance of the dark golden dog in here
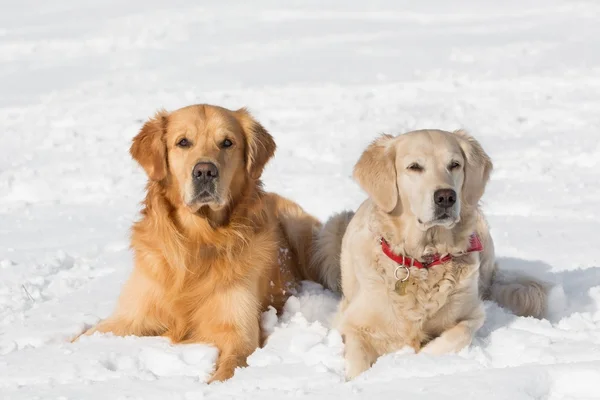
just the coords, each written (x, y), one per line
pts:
(212, 249)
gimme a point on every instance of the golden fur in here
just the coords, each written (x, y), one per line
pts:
(205, 269)
(441, 308)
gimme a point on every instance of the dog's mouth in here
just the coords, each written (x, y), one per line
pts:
(443, 216)
(205, 197)
(445, 219)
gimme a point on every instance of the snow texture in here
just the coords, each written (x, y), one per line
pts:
(78, 78)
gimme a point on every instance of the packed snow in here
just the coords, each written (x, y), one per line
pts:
(78, 79)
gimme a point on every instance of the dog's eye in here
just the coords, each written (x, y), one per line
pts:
(453, 165)
(415, 167)
(226, 143)
(184, 143)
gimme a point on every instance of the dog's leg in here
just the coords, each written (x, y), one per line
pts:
(118, 326)
(458, 337)
(233, 355)
(359, 354)
(231, 322)
(138, 310)
(235, 345)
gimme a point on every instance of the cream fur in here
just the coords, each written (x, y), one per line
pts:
(442, 308)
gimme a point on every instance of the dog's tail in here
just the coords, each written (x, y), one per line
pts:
(327, 248)
(525, 296)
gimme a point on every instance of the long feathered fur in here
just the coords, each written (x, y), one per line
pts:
(205, 275)
(525, 296)
(328, 246)
(521, 294)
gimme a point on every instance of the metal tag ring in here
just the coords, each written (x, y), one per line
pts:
(407, 273)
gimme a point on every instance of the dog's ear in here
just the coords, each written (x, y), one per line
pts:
(148, 147)
(375, 172)
(260, 145)
(478, 169)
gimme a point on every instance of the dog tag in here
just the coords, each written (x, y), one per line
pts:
(400, 288)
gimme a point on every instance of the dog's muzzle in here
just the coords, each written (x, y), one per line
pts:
(205, 176)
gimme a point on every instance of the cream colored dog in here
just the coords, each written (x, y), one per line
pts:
(417, 257)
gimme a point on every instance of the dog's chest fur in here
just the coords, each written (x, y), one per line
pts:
(427, 294)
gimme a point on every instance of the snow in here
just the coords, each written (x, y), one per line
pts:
(78, 79)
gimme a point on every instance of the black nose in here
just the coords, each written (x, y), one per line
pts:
(205, 172)
(444, 197)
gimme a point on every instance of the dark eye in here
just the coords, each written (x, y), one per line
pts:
(226, 143)
(415, 167)
(184, 143)
(453, 165)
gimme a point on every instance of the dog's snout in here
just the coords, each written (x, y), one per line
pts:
(444, 197)
(205, 172)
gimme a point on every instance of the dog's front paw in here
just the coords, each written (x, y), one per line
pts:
(86, 332)
(446, 344)
(221, 374)
(226, 368)
(354, 369)
(357, 355)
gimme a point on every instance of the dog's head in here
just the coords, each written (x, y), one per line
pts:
(430, 174)
(205, 154)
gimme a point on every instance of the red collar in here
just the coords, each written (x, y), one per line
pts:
(474, 246)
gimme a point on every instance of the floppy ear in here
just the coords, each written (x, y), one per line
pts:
(148, 147)
(375, 172)
(478, 169)
(260, 145)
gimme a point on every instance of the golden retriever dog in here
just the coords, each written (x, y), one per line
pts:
(417, 258)
(212, 250)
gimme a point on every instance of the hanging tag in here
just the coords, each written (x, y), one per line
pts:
(401, 284)
(400, 288)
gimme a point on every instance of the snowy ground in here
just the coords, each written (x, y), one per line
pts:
(78, 78)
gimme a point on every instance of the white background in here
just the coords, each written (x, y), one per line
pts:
(78, 78)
